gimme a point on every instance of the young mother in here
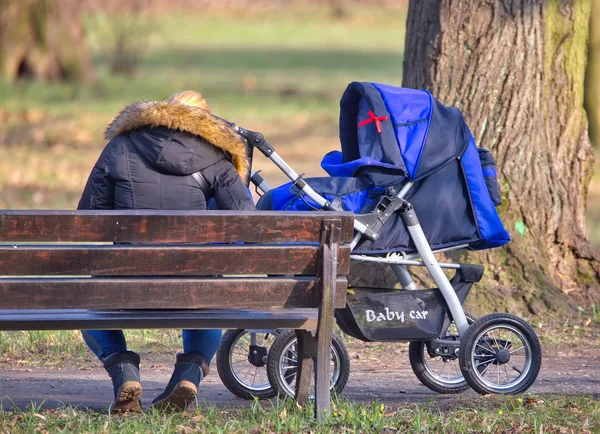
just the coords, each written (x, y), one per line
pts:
(165, 155)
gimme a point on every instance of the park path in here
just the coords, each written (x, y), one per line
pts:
(384, 376)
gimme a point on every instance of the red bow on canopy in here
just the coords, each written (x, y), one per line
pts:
(373, 118)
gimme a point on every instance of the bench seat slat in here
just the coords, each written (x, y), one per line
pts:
(163, 293)
(167, 226)
(130, 260)
(148, 319)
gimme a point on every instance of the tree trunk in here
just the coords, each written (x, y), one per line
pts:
(516, 69)
(42, 40)
(592, 85)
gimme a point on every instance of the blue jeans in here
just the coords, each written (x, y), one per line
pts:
(106, 342)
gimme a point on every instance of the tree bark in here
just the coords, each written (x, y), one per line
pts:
(592, 85)
(42, 40)
(516, 69)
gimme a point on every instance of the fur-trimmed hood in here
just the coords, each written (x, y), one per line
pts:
(176, 116)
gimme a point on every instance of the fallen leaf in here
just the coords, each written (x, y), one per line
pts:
(283, 414)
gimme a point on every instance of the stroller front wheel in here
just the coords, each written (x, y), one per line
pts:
(439, 373)
(501, 354)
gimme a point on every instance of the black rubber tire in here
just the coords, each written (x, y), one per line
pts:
(225, 370)
(282, 340)
(468, 345)
(419, 367)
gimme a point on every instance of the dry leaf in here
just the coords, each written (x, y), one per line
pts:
(283, 414)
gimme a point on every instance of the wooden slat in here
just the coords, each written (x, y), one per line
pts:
(163, 293)
(167, 226)
(153, 319)
(138, 260)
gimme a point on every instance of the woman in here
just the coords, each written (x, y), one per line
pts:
(165, 155)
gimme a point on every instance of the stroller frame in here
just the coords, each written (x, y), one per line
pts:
(398, 261)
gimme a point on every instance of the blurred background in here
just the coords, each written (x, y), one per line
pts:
(275, 66)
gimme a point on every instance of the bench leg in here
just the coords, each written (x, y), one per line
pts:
(329, 258)
(307, 349)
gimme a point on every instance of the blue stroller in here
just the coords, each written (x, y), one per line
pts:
(411, 172)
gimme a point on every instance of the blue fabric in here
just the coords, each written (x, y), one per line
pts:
(353, 192)
(103, 343)
(410, 112)
(490, 172)
(488, 221)
(333, 164)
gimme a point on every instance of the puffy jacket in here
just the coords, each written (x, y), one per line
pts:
(153, 149)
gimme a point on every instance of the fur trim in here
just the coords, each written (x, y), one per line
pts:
(186, 118)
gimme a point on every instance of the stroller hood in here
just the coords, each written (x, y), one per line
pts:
(404, 128)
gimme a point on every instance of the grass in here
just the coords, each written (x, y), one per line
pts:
(280, 71)
(527, 414)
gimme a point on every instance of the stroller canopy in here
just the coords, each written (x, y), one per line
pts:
(394, 127)
(391, 135)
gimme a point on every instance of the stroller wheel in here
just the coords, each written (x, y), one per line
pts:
(242, 360)
(500, 353)
(282, 364)
(440, 373)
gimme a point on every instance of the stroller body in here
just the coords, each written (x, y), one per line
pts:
(410, 171)
(391, 137)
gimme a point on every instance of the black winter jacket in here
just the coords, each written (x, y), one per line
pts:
(153, 149)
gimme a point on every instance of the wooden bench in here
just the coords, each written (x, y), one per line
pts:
(286, 271)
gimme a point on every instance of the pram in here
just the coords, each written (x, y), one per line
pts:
(403, 153)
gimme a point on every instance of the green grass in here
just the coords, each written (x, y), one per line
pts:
(67, 348)
(527, 414)
(281, 71)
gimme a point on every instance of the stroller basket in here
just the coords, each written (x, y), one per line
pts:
(373, 314)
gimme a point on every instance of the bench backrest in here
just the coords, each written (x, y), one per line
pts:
(163, 259)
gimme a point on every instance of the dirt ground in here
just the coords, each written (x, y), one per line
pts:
(374, 374)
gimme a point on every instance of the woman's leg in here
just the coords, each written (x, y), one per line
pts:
(199, 347)
(122, 366)
(205, 342)
(103, 343)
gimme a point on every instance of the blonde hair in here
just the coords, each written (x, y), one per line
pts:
(191, 98)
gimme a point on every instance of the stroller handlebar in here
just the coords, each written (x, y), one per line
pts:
(258, 141)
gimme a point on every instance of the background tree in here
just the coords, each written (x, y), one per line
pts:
(516, 69)
(43, 40)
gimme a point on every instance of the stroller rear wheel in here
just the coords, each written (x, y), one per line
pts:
(242, 360)
(440, 373)
(282, 364)
(501, 354)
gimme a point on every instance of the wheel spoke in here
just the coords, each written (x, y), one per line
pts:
(494, 336)
(508, 342)
(486, 348)
(485, 369)
(518, 349)
(484, 363)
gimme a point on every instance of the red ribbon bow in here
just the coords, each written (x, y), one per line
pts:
(373, 118)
